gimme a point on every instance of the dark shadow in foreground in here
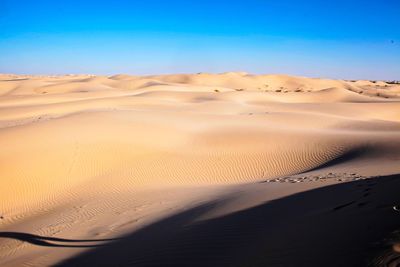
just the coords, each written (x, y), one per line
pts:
(338, 225)
(44, 240)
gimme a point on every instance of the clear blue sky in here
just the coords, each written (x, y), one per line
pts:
(353, 39)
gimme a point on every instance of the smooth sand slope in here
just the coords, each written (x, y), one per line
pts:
(200, 169)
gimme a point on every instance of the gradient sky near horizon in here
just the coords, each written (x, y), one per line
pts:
(357, 39)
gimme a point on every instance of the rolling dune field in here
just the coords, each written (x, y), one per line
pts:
(202, 169)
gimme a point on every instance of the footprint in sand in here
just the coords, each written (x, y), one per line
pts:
(343, 206)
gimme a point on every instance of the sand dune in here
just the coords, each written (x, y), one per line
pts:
(87, 159)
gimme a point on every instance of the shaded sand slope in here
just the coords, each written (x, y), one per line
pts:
(338, 225)
(92, 157)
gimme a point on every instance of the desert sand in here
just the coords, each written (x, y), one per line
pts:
(202, 169)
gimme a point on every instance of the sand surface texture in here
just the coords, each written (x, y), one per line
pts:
(200, 169)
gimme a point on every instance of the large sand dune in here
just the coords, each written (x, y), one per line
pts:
(94, 166)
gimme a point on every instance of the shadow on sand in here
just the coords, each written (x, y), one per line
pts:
(304, 229)
(44, 240)
(346, 157)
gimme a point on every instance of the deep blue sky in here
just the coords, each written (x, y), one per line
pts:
(357, 39)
